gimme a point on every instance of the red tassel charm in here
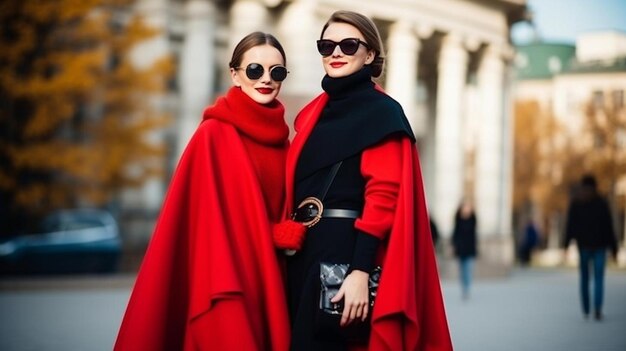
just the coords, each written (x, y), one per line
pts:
(288, 235)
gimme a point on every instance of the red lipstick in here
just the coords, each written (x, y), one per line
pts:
(265, 91)
(337, 64)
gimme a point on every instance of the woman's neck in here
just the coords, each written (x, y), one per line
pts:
(341, 87)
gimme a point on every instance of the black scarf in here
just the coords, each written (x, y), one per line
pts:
(356, 117)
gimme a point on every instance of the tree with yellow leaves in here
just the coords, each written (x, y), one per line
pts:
(549, 159)
(605, 132)
(76, 117)
(545, 165)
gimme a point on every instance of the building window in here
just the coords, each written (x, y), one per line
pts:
(554, 64)
(620, 137)
(521, 60)
(570, 101)
(598, 99)
(598, 141)
(618, 99)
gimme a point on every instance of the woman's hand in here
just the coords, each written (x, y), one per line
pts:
(355, 293)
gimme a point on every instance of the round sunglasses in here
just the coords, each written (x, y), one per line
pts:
(255, 71)
(348, 46)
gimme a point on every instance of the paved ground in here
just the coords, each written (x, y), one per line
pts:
(535, 310)
(529, 310)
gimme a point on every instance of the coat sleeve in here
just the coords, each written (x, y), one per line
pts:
(381, 167)
(608, 232)
(569, 225)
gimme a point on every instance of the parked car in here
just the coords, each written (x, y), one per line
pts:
(70, 241)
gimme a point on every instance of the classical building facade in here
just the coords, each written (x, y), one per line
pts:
(448, 64)
(565, 77)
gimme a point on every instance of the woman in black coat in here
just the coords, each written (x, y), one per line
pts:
(353, 178)
(464, 242)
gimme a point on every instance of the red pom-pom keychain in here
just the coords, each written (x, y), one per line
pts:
(288, 235)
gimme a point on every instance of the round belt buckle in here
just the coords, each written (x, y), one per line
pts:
(314, 204)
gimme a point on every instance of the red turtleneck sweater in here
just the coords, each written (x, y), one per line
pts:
(264, 133)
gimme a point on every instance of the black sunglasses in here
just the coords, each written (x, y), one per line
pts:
(255, 71)
(348, 46)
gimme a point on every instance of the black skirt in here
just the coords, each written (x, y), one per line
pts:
(331, 240)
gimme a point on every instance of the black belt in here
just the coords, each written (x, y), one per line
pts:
(340, 213)
(309, 214)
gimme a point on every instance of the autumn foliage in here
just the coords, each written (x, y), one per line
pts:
(77, 118)
(550, 157)
(605, 123)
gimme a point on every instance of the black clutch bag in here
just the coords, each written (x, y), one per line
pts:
(332, 276)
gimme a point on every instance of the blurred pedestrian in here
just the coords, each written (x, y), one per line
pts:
(354, 177)
(529, 241)
(434, 232)
(464, 243)
(210, 279)
(589, 223)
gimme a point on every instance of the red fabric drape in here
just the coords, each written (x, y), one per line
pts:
(210, 279)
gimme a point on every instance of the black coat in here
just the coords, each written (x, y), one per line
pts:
(589, 223)
(356, 117)
(464, 237)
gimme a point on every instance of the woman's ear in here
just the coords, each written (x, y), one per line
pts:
(234, 76)
(371, 55)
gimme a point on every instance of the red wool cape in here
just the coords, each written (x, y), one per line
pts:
(409, 312)
(210, 279)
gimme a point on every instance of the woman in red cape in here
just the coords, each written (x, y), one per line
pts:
(210, 279)
(374, 211)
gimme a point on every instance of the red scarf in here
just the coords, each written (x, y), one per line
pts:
(264, 134)
(265, 124)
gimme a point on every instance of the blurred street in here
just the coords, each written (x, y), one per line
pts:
(535, 309)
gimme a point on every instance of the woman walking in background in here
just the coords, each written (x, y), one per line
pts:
(464, 243)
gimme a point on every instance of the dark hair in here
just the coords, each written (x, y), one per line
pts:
(251, 40)
(370, 32)
(589, 181)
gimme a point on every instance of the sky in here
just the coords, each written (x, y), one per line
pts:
(562, 20)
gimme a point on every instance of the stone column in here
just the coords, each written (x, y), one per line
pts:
(298, 29)
(426, 112)
(453, 60)
(197, 64)
(490, 170)
(154, 14)
(506, 224)
(427, 147)
(402, 62)
(246, 16)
